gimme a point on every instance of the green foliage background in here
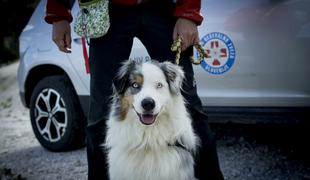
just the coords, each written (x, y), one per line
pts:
(14, 15)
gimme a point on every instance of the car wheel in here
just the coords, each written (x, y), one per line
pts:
(56, 116)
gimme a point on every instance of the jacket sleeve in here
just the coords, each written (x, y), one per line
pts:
(56, 11)
(189, 9)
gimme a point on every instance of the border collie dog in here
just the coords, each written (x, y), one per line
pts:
(149, 131)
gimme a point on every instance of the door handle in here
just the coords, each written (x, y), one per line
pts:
(77, 40)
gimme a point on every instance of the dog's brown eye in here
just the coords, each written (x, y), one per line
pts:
(135, 85)
(159, 85)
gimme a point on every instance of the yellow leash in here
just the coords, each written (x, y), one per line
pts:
(177, 47)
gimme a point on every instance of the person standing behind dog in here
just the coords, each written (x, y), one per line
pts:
(157, 23)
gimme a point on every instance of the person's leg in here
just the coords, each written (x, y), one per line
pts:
(106, 55)
(157, 38)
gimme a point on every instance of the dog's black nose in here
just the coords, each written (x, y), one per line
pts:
(148, 104)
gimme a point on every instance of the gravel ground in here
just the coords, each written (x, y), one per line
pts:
(246, 152)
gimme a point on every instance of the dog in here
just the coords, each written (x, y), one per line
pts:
(149, 131)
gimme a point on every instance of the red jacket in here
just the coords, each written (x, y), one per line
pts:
(189, 9)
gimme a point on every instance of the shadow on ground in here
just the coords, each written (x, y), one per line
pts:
(263, 151)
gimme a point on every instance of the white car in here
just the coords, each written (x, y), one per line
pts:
(259, 57)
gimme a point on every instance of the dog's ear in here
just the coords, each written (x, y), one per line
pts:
(121, 80)
(174, 76)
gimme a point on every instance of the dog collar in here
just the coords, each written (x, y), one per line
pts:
(179, 145)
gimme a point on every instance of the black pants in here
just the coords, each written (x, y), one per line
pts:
(153, 24)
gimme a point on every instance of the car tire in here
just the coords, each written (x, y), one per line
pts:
(56, 116)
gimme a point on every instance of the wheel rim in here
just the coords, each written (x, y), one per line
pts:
(50, 115)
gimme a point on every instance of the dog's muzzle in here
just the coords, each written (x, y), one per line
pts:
(147, 117)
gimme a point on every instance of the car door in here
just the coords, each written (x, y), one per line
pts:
(258, 53)
(265, 47)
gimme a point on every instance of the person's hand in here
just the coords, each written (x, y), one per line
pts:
(188, 32)
(62, 35)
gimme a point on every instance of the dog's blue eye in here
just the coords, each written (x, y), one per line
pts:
(159, 85)
(135, 85)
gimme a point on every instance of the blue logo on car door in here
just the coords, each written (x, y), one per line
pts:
(221, 53)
